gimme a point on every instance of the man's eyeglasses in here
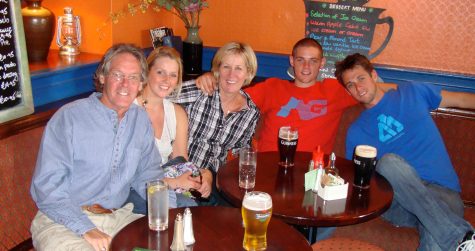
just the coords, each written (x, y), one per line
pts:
(120, 77)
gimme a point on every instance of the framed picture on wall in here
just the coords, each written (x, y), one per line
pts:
(16, 98)
(159, 35)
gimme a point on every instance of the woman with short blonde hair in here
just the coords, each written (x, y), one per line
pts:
(226, 120)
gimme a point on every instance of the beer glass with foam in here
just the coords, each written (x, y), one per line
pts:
(256, 213)
(287, 142)
(157, 196)
(364, 161)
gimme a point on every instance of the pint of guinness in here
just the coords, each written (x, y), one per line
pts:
(364, 161)
(287, 142)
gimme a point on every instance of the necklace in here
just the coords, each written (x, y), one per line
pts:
(227, 109)
(144, 102)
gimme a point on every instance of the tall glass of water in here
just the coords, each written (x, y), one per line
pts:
(157, 197)
(247, 168)
(256, 213)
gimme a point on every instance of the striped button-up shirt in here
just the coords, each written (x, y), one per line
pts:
(212, 133)
(88, 156)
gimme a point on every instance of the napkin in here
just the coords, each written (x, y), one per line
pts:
(310, 178)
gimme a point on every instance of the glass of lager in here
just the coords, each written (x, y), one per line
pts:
(287, 142)
(247, 168)
(157, 197)
(364, 161)
(256, 213)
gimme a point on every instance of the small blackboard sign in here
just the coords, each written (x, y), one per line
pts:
(343, 28)
(15, 84)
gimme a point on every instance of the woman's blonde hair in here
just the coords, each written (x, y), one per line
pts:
(236, 48)
(165, 51)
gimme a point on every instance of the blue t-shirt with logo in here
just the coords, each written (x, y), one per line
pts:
(401, 124)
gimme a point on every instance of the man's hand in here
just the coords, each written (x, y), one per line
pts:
(206, 185)
(207, 83)
(99, 241)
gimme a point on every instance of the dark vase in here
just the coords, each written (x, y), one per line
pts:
(39, 24)
(192, 51)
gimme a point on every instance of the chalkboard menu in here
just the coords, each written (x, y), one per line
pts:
(15, 85)
(343, 28)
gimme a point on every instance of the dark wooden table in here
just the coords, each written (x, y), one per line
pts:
(295, 206)
(215, 228)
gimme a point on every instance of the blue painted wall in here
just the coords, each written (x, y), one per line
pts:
(275, 65)
(51, 86)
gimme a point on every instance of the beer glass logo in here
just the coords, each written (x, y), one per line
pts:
(288, 143)
(358, 162)
(263, 216)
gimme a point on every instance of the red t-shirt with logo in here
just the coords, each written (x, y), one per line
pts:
(315, 111)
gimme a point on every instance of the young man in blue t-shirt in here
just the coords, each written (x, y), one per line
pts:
(413, 157)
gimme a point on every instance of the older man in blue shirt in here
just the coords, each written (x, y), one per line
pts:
(92, 152)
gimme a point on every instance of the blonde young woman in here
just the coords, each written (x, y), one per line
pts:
(169, 122)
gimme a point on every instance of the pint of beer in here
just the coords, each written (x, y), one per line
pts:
(364, 161)
(287, 142)
(256, 213)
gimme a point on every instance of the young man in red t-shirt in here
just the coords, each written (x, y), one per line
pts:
(314, 107)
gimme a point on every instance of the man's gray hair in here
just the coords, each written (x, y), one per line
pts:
(104, 65)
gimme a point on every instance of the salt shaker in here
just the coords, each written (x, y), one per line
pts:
(178, 243)
(188, 223)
